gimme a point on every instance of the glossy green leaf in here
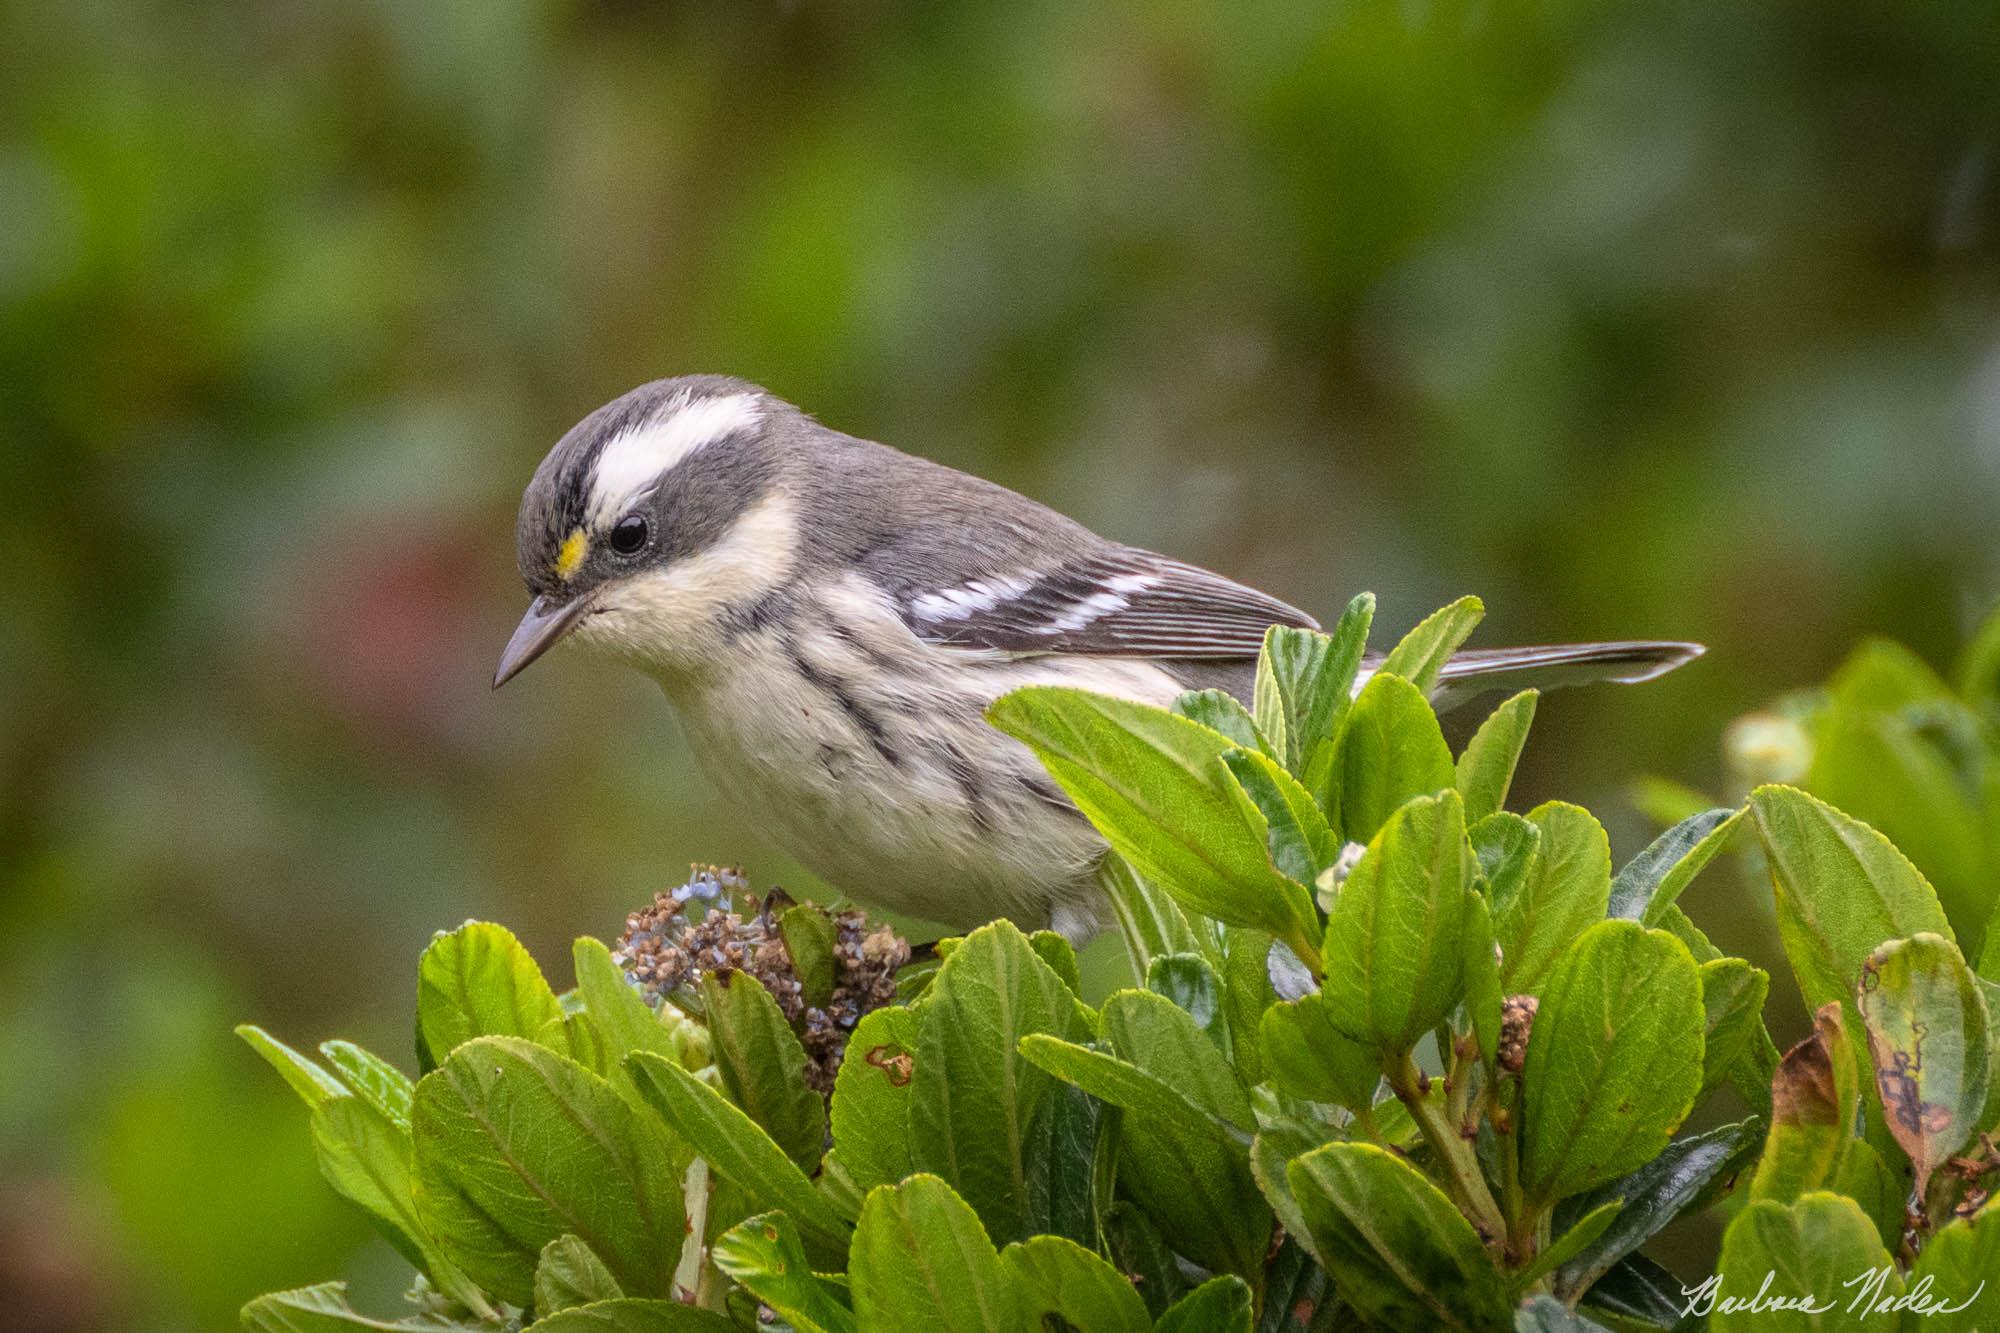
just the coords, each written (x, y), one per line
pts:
(1882, 1193)
(1149, 921)
(1300, 841)
(733, 1144)
(920, 1259)
(1060, 955)
(478, 981)
(1219, 1305)
(1689, 1172)
(1959, 1276)
(1059, 1278)
(1570, 1242)
(1546, 1314)
(1156, 787)
(1842, 890)
(323, 1308)
(973, 1096)
(765, 1256)
(1121, 1083)
(1066, 1154)
(1190, 982)
(1307, 678)
(1422, 653)
(1614, 1059)
(1486, 767)
(1164, 1040)
(1927, 1036)
(301, 1073)
(810, 938)
(1651, 881)
(763, 1064)
(621, 1018)
(1815, 1106)
(568, 1274)
(1390, 751)
(516, 1145)
(1483, 992)
(1246, 994)
(1307, 1056)
(1394, 950)
(1732, 998)
(1135, 1245)
(1806, 1253)
(373, 1079)
(1562, 894)
(1396, 1248)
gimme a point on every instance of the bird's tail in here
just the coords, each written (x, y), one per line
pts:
(1482, 670)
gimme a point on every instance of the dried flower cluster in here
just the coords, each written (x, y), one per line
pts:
(1517, 1020)
(668, 946)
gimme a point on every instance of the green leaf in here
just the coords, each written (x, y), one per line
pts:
(1959, 1264)
(1614, 1059)
(1246, 994)
(1505, 845)
(1218, 710)
(303, 1075)
(1060, 955)
(1300, 841)
(1683, 1177)
(1394, 941)
(1732, 997)
(1065, 1150)
(478, 981)
(631, 1315)
(1136, 1247)
(765, 1256)
(1927, 1035)
(1396, 1248)
(763, 1064)
(1121, 1083)
(1188, 980)
(568, 1274)
(516, 1145)
(323, 1309)
(1149, 921)
(972, 1096)
(1842, 890)
(623, 1020)
(1219, 1305)
(374, 1080)
(1808, 1253)
(1866, 1179)
(1390, 750)
(1652, 880)
(1155, 786)
(1059, 1278)
(1311, 684)
(810, 938)
(1570, 1242)
(1546, 1314)
(1562, 894)
(1483, 992)
(366, 1157)
(920, 1259)
(1637, 1293)
(1486, 768)
(1167, 1042)
(1815, 1102)
(1307, 1056)
(734, 1145)
(1424, 650)
(871, 1098)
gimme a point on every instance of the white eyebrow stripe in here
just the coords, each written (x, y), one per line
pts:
(633, 463)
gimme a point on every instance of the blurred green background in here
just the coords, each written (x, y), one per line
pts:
(1666, 319)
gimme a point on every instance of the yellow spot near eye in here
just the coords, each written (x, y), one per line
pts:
(570, 559)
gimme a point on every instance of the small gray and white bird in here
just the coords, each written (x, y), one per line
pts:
(830, 617)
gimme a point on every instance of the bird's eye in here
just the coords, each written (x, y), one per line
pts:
(628, 535)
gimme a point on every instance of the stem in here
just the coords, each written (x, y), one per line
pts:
(1500, 1116)
(1455, 1156)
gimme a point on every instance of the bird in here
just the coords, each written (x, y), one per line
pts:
(830, 618)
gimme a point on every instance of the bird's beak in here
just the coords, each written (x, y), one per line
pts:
(544, 624)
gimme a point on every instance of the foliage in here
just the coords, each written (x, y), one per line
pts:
(1393, 1055)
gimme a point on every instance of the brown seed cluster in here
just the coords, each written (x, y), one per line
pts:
(1517, 1019)
(663, 952)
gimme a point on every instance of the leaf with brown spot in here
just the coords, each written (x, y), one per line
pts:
(1815, 1096)
(1927, 1029)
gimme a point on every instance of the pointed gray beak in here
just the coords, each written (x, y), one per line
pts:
(543, 625)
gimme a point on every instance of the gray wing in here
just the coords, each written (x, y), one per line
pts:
(1110, 601)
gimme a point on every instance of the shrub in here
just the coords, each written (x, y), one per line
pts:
(1394, 1055)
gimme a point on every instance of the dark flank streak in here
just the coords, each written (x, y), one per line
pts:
(967, 779)
(866, 722)
(1045, 791)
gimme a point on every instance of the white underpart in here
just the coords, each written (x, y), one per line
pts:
(668, 618)
(633, 463)
(974, 596)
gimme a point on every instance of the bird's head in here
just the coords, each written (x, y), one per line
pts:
(654, 520)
